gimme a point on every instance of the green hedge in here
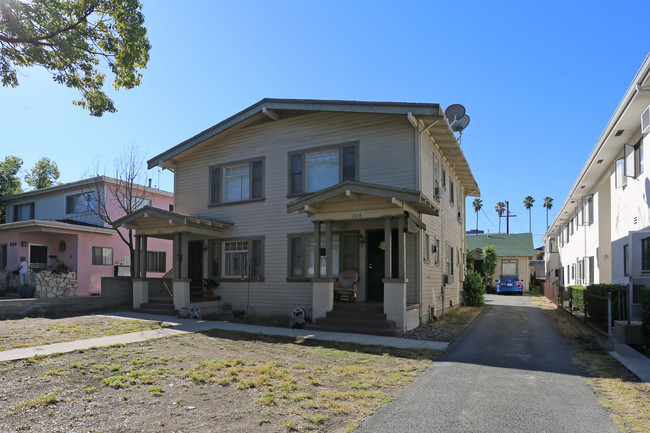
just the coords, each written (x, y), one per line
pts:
(596, 306)
(474, 287)
(576, 293)
(645, 305)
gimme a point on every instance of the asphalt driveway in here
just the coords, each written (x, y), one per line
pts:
(510, 371)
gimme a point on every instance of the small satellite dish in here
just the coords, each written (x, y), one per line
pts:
(454, 112)
(460, 124)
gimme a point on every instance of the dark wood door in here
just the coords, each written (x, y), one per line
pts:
(376, 264)
(195, 263)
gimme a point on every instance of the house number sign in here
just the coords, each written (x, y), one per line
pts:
(356, 216)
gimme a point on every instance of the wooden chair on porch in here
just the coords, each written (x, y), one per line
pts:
(345, 289)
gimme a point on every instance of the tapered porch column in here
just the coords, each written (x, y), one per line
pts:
(395, 286)
(322, 286)
(181, 284)
(140, 284)
(329, 255)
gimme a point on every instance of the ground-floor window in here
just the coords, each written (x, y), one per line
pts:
(236, 258)
(645, 255)
(3, 257)
(102, 256)
(509, 267)
(156, 261)
(303, 255)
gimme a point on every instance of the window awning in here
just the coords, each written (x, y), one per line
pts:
(352, 200)
(159, 223)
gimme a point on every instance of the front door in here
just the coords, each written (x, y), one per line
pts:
(195, 263)
(375, 271)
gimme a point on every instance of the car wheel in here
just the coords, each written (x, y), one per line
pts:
(521, 293)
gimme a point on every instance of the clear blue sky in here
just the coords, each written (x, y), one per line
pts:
(540, 81)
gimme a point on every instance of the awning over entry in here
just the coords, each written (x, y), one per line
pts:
(159, 223)
(359, 200)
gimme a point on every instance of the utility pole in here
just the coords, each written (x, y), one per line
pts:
(508, 216)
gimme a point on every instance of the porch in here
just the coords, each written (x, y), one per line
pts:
(386, 215)
(186, 276)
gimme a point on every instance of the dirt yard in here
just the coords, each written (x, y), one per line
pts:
(30, 332)
(213, 382)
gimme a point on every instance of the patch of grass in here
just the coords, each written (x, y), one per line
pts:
(627, 399)
(156, 390)
(39, 400)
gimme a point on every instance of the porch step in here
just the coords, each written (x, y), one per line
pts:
(357, 317)
(361, 315)
(159, 311)
(162, 305)
(385, 332)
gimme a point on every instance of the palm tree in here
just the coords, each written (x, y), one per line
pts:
(478, 205)
(528, 204)
(548, 204)
(500, 208)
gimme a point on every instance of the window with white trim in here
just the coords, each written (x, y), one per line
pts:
(237, 182)
(103, 256)
(234, 258)
(620, 179)
(436, 171)
(311, 171)
(427, 248)
(302, 254)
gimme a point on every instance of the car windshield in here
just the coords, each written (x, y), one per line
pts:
(509, 277)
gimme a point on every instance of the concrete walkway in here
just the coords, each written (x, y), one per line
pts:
(182, 326)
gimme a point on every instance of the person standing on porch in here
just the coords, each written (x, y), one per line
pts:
(22, 270)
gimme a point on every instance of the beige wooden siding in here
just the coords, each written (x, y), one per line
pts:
(385, 157)
(447, 229)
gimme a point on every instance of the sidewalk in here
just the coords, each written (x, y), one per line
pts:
(182, 326)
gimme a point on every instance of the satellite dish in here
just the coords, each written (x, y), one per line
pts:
(457, 117)
(460, 124)
(454, 112)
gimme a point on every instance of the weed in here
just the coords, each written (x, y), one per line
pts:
(39, 400)
(156, 390)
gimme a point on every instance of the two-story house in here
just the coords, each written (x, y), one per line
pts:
(275, 201)
(602, 231)
(55, 228)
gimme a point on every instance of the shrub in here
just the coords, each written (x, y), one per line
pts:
(645, 305)
(474, 289)
(578, 296)
(595, 301)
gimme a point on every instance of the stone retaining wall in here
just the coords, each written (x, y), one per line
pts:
(51, 285)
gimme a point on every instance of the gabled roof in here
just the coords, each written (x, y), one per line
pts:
(423, 116)
(350, 188)
(506, 245)
(162, 223)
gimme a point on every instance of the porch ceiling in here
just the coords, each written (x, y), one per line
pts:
(159, 223)
(358, 200)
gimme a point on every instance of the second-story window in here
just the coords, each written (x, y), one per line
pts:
(312, 171)
(79, 203)
(237, 182)
(24, 212)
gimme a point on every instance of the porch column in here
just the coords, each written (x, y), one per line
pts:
(388, 239)
(185, 249)
(316, 250)
(329, 256)
(401, 247)
(395, 302)
(136, 258)
(176, 265)
(143, 257)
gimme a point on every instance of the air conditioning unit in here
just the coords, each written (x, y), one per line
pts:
(447, 279)
(438, 192)
(645, 120)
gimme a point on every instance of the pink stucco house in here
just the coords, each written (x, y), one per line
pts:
(54, 230)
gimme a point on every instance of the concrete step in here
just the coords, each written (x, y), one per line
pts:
(367, 307)
(161, 300)
(163, 312)
(157, 306)
(355, 323)
(386, 332)
(356, 315)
